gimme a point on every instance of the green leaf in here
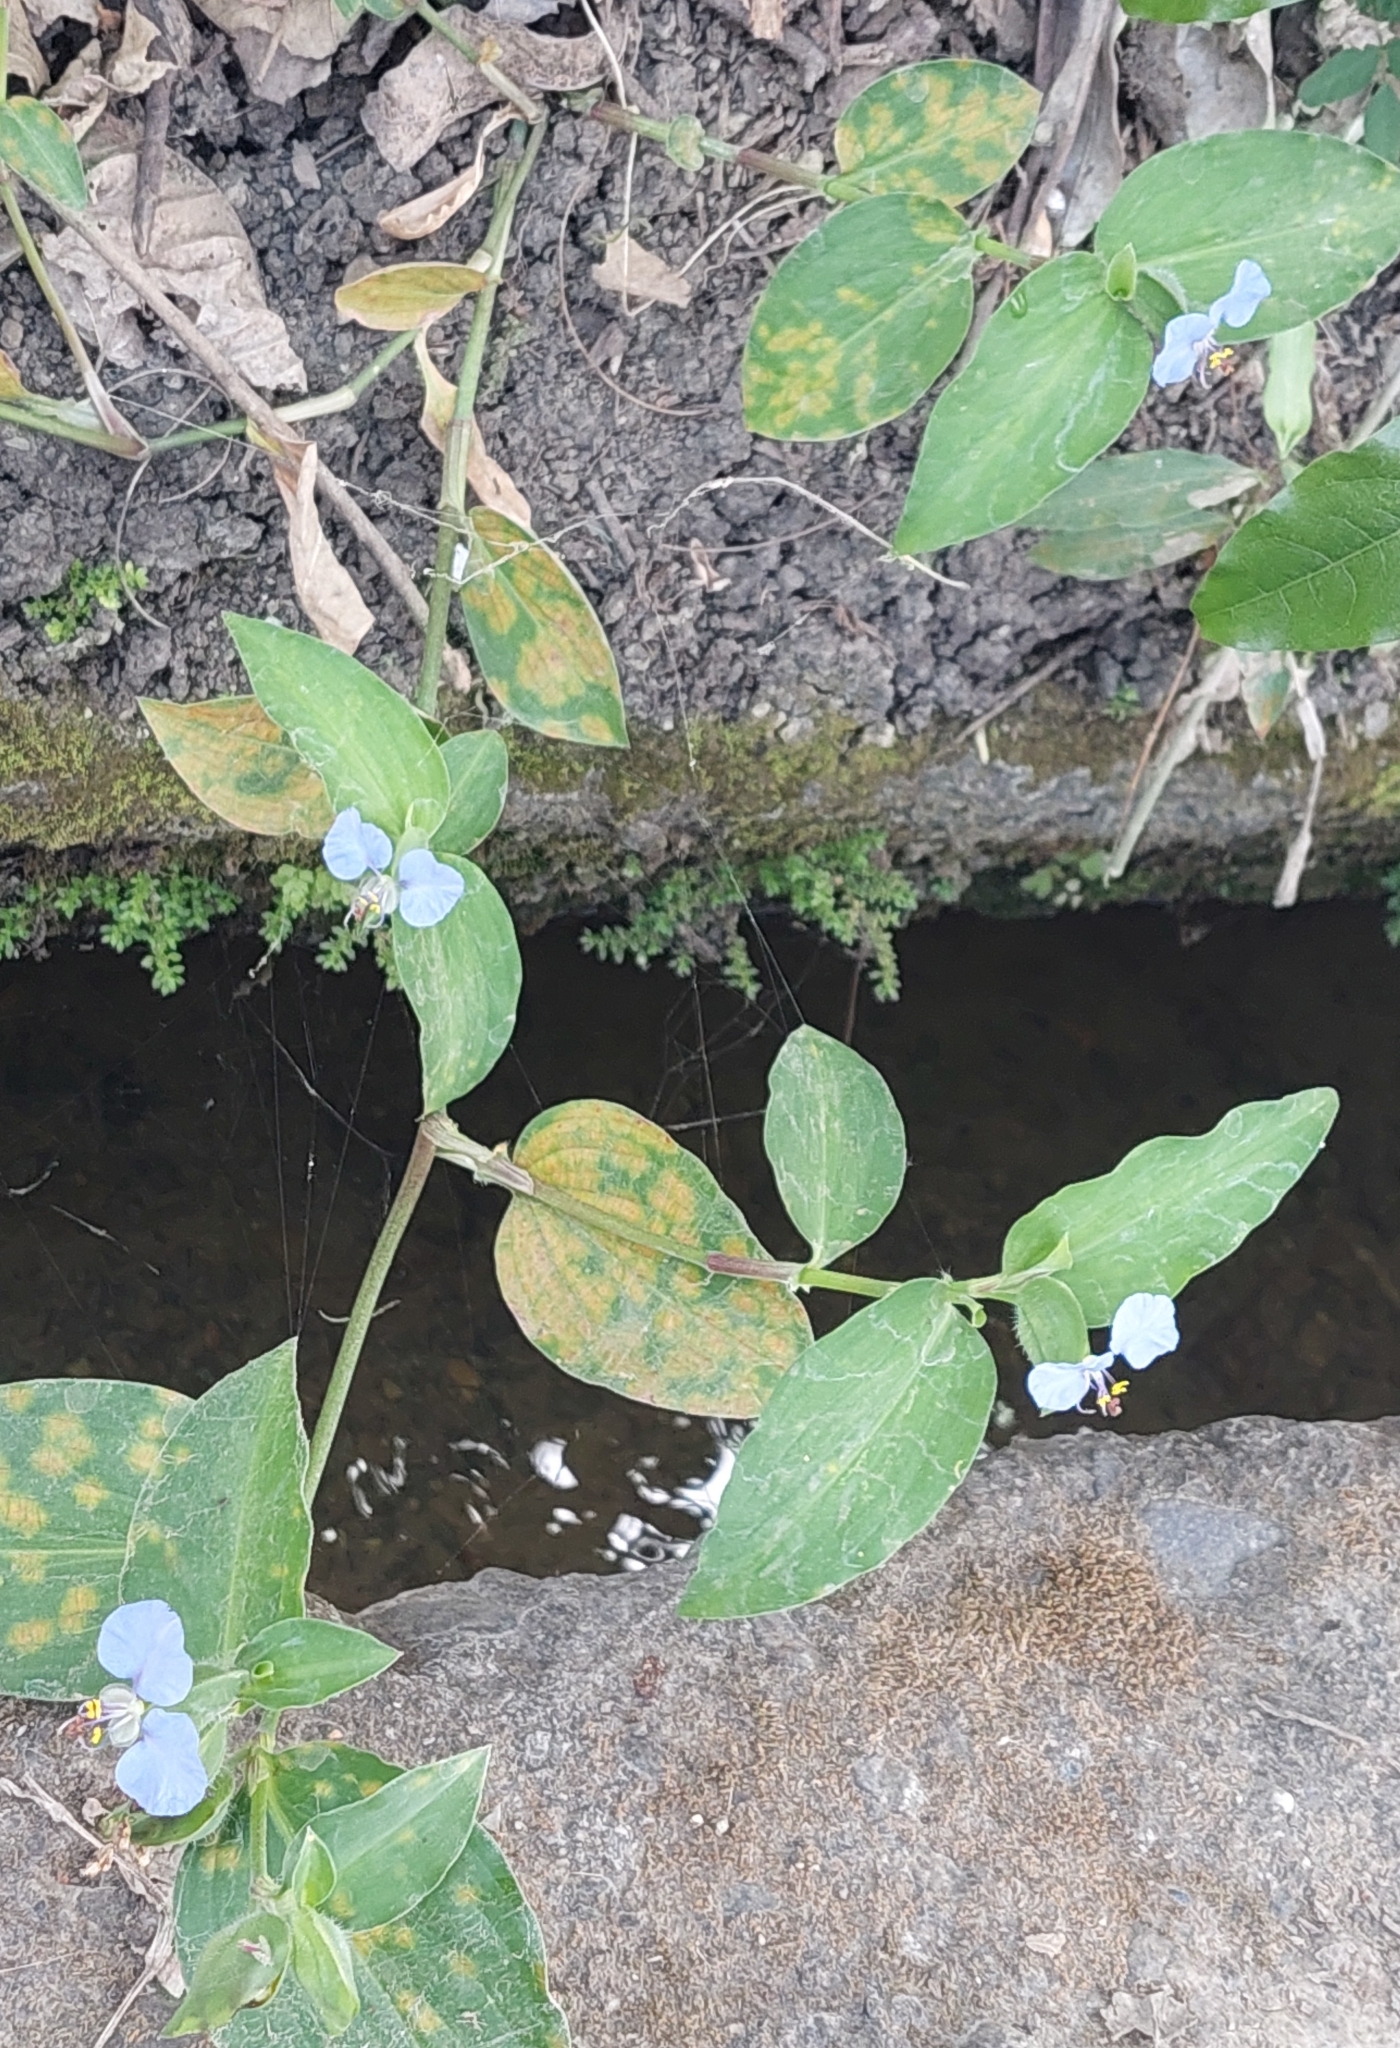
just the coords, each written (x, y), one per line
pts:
(619, 1315)
(311, 1878)
(1058, 374)
(858, 320)
(301, 1662)
(115, 1492)
(323, 1963)
(1288, 408)
(1345, 73)
(1380, 128)
(536, 637)
(1121, 279)
(835, 1141)
(1319, 567)
(941, 131)
(1174, 1206)
(37, 144)
(465, 1967)
(365, 741)
(229, 752)
(153, 1831)
(478, 768)
(1265, 681)
(1050, 1326)
(1320, 217)
(860, 1445)
(392, 1849)
(1125, 513)
(236, 1965)
(463, 979)
(406, 295)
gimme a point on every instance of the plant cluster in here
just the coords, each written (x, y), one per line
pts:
(156, 911)
(86, 586)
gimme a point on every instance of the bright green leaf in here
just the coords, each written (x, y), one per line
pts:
(478, 768)
(1121, 279)
(941, 131)
(311, 1877)
(617, 1314)
(860, 1445)
(463, 979)
(858, 320)
(1125, 513)
(365, 741)
(1050, 1326)
(229, 752)
(37, 144)
(1174, 1206)
(392, 1849)
(1288, 406)
(236, 1965)
(1346, 72)
(323, 1964)
(1319, 567)
(1058, 374)
(835, 1141)
(299, 1663)
(413, 1970)
(536, 637)
(406, 295)
(153, 1831)
(1319, 216)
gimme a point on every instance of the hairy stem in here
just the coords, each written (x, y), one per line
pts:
(780, 167)
(376, 1272)
(452, 504)
(314, 408)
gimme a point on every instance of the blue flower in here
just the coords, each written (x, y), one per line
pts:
(422, 892)
(1189, 341)
(428, 888)
(143, 1645)
(1144, 1329)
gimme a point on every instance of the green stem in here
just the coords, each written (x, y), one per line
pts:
(65, 430)
(988, 245)
(518, 97)
(261, 1777)
(314, 408)
(376, 1272)
(846, 1283)
(780, 167)
(452, 504)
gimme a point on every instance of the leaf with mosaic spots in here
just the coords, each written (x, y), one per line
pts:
(615, 1313)
(465, 1967)
(229, 752)
(943, 130)
(112, 1491)
(537, 638)
(858, 320)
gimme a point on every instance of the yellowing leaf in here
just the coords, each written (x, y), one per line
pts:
(494, 485)
(941, 131)
(406, 294)
(432, 210)
(536, 638)
(324, 585)
(229, 752)
(619, 1315)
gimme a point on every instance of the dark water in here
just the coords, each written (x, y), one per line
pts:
(200, 1202)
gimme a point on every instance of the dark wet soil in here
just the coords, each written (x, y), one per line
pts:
(607, 430)
(179, 1200)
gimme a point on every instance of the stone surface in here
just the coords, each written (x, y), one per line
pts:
(1105, 1756)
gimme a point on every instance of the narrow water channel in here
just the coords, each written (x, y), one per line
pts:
(190, 1177)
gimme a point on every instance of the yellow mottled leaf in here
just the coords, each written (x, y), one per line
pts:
(406, 294)
(236, 761)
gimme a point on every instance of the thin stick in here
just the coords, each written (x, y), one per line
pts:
(784, 483)
(396, 571)
(1058, 660)
(1183, 669)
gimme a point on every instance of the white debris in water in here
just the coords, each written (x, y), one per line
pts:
(567, 1515)
(469, 1443)
(547, 1458)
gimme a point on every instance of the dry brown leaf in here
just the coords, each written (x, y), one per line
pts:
(284, 47)
(431, 210)
(26, 59)
(324, 586)
(766, 19)
(133, 70)
(494, 485)
(199, 252)
(435, 90)
(632, 270)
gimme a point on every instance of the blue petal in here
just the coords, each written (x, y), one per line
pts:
(352, 846)
(1176, 359)
(428, 888)
(144, 1643)
(162, 1772)
(1054, 1387)
(1143, 1329)
(1244, 298)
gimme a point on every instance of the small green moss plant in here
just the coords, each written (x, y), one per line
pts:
(86, 586)
(848, 890)
(158, 912)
